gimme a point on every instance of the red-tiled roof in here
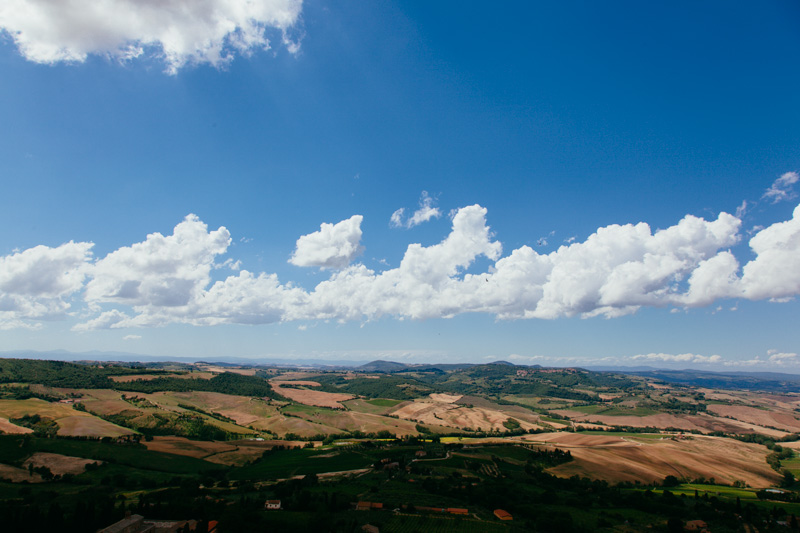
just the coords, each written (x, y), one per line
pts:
(503, 515)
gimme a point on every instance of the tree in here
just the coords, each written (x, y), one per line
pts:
(670, 481)
(788, 479)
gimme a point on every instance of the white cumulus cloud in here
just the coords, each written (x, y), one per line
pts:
(425, 285)
(782, 358)
(615, 271)
(179, 32)
(781, 188)
(775, 271)
(113, 318)
(774, 358)
(36, 283)
(425, 212)
(333, 246)
(161, 271)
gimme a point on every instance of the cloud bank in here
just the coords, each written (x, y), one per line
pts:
(178, 32)
(615, 271)
(678, 358)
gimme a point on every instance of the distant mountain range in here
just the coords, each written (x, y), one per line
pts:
(762, 381)
(759, 381)
(128, 357)
(392, 366)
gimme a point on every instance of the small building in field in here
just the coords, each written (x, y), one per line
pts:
(457, 510)
(696, 525)
(272, 504)
(369, 506)
(503, 515)
(369, 528)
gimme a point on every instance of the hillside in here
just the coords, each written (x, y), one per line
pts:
(412, 437)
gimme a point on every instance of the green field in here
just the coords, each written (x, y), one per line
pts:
(629, 436)
(551, 420)
(14, 448)
(287, 463)
(384, 402)
(712, 490)
(406, 523)
(480, 473)
(299, 409)
(598, 409)
(792, 465)
(537, 402)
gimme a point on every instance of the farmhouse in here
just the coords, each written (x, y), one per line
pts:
(272, 504)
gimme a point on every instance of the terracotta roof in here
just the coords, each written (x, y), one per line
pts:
(503, 515)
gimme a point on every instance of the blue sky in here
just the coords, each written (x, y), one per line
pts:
(239, 194)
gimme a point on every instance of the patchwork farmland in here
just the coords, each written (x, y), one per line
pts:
(477, 438)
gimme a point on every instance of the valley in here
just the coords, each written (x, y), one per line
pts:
(214, 442)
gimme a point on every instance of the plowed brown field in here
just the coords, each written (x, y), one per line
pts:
(757, 416)
(313, 397)
(18, 475)
(184, 446)
(89, 426)
(460, 416)
(59, 464)
(8, 427)
(628, 459)
(701, 422)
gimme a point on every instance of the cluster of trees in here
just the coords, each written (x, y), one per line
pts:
(16, 392)
(207, 413)
(92, 509)
(85, 376)
(779, 453)
(185, 425)
(41, 426)
(387, 386)
(499, 379)
(61, 374)
(226, 383)
(676, 406)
